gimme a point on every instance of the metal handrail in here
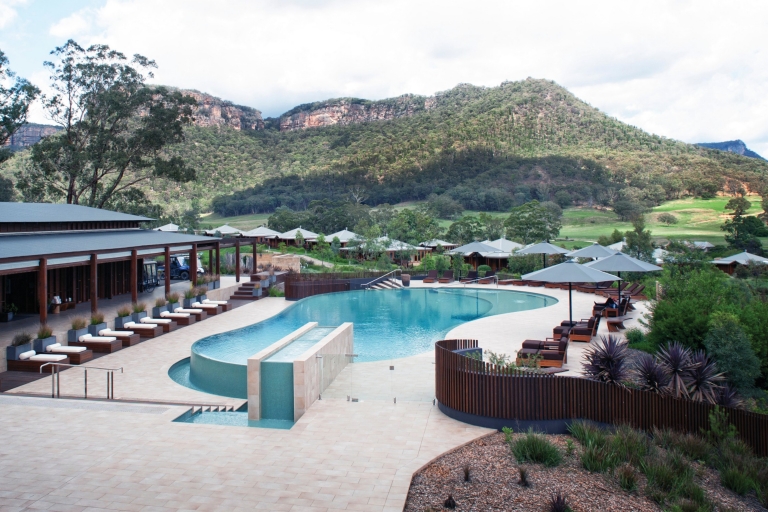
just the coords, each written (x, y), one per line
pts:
(56, 385)
(381, 278)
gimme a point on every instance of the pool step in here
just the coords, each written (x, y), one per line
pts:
(388, 284)
(212, 408)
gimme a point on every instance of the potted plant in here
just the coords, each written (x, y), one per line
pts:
(123, 317)
(215, 282)
(139, 311)
(79, 328)
(190, 296)
(405, 279)
(200, 293)
(8, 312)
(256, 289)
(272, 277)
(173, 301)
(21, 343)
(97, 323)
(160, 305)
(44, 338)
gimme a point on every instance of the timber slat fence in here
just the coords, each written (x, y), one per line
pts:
(474, 387)
(300, 286)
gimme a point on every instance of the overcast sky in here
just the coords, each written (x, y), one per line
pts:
(690, 70)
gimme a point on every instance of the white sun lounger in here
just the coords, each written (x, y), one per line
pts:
(134, 325)
(216, 302)
(110, 332)
(31, 355)
(168, 314)
(57, 348)
(147, 320)
(91, 338)
(188, 310)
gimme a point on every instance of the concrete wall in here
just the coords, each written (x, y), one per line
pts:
(254, 369)
(312, 375)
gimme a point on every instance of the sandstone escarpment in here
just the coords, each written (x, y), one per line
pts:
(29, 134)
(346, 111)
(212, 111)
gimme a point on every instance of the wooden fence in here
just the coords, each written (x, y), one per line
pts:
(300, 286)
(473, 387)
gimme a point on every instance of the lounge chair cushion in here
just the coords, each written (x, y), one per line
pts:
(188, 310)
(56, 348)
(26, 355)
(48, 358)
(134, 325)
(88, 338)
(110, 332)
(216, 302)
(147, 320)
(551, 355)
(533, 344)
(166, 314)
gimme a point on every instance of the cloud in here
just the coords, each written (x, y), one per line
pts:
(74, 25)
(688, 69)
(7, 11)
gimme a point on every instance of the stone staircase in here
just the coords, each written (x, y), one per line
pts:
(245, 292)
(387, 284)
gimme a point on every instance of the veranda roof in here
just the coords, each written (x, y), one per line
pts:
(502, 244)
(742, 258)
(263, 232)
(291, 234)
(168, 228)
(226, 229)
(436, 242)
(344, 236)
(472, 248)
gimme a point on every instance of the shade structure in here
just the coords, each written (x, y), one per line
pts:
(543, 248)
(620, 262)
(592, 251)
(569, 272)
(743, 258)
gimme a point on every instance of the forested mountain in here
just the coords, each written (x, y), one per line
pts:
(488, 148)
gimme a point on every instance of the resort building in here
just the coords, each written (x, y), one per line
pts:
(434, 244)
(345, 236)
(479, 253)
(729, 264)
(225, 230)
(289, 237)
(264, 235)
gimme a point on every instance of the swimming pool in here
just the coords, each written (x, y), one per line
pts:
(388, 324)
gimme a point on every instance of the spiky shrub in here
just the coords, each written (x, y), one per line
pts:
(606, 361)
(727, 396)
(533, 447)
(690, 445)
(97, 318)
(160, 302)
(559, 503)
(626, 477)
(650, 375)
(598, 458)
(173, 297)
(201, 290)
(190, 294)
(123, 311)
(44, 332)
(587, 433)
(139, 307)
(704, 380)
(21, 338)
(629, 444)
(79, 322)
(676, 360)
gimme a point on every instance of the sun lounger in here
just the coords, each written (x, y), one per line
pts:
(471, 277)
(211, 309)
(513, 282)
(616, 324)
(585, 331)
(127, 338)
(431, 277)
(626, 289)
(548, 353)
(490, 278)
(167, 324)
(621, 310)
(101, 344)
(77, 355)
(534, 284)
(179, 318)
(199, 314)
(145, 330)
(447, 277)
(31, 361)
(224, 305)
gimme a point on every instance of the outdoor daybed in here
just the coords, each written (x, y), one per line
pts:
(167, 324)
(103, 344)
(145, 330)
(127, 338)
(31, 361)
(179, 318)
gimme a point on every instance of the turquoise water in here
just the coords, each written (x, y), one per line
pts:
(297, 347)
(388, 324)
(232, 419)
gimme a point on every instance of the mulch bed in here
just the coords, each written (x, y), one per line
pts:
(494, 483)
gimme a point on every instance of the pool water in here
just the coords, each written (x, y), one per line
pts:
(237, 418)
(388, 324)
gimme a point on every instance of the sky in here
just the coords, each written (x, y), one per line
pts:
(695, 71)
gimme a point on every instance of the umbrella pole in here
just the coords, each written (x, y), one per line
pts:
(544, 260)
(570, 304)
(619, 283)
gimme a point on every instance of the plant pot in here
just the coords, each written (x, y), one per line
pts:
(172, 306)
(73, 336)
(188, 302)
(94, 329)
(156, 311)
(40, 344)
(406, 279)
(272, 279)
(6, 317)
(201, 298)
(136, 317)
(215, 285)
(12, 353)
(121, 321)
(256, 292)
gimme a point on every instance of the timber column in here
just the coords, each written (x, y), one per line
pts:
(167, 270)
(255, 252)
(193, 265)
(42, 290)
(237, 260)
(94, 285)
(218, 258)
(134, 276)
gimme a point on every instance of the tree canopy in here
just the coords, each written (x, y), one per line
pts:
(16, 96)
(534, 222)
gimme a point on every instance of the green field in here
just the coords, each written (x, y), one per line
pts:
(698, 219)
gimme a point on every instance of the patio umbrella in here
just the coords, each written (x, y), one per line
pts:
(569, 272)
(620, 262)
(592, 251)
(543, 248)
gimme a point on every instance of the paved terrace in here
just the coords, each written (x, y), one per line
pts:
(76, 455)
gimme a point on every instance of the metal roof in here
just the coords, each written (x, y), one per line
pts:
(263, 232)
(291, 234)
(344, 236)
(168, 227)
(434, 243)
(48, 212)
(592, 251)
(742, 258)
(543, 248)
(503, 244)
(41, 245)
(226, 229)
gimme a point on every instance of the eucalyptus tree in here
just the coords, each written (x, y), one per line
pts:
(114, 128)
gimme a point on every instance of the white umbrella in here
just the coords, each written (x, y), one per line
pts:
(569, 272)
(543, 248)
(620, 262)
(592, 251)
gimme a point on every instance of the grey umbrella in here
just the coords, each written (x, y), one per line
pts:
(619, 262)
(569, 272)
(543, 248)
(592, 251)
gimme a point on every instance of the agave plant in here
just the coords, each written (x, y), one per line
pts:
(727, 396)
(606, 361)
(650, 375)
(704, 380)
(676, 360)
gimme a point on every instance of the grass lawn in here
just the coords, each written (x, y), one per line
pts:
(243, 222)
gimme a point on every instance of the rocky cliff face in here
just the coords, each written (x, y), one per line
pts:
(345, 111)
(212, 111)
(732, 146)
(29, 134)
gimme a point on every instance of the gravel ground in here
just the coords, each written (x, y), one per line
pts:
(494, 476)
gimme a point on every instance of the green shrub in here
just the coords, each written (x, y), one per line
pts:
(160, 302)
(598, 458)
(21, 338)
(173, 297)
(736, 480)
(274, 292)
(627, 478)
(79, 322)
(692, 446)
(629, 445)
(659, 473)
(123, 311)
(139, 307)
(190, 294)
(587, 433)
(97, 318)
(634, 335)
(533, 447)
(44, 332)
(729, 346)
(482, 269)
